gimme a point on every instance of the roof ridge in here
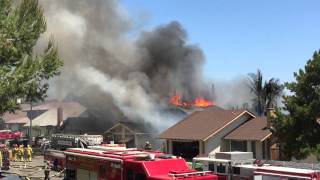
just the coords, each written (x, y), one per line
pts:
(237, 116)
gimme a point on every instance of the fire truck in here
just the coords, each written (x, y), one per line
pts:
(241, 165)
(93, 164)
(8, 134)
(60, 142)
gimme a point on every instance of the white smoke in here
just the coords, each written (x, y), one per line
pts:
(127, 95)
(234, 93)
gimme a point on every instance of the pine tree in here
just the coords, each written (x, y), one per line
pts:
(298, 129)
(24, 74)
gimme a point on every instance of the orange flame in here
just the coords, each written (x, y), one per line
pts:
(176, 100)
(198, 102)
(201, 102)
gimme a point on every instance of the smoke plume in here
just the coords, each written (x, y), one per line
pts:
(121, 76)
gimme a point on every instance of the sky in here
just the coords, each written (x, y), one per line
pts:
(238, 37)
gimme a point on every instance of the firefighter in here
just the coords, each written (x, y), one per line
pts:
(147, 146)
(15, 152)
(28, 151)
(18, 153)
(6, 160)
(47, 171)
(1, 157)
(21, 153)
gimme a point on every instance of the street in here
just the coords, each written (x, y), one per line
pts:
(30, 170)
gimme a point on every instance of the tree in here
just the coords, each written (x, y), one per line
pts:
(266, 93)
(24, 74)
(298, 129)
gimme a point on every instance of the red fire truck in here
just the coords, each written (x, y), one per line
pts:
(61, 142)
(242, 166)
(8, 134)
(92, 164)
(269, 172)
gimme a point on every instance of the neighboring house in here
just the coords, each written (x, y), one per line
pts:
(215, 130)
(253, 136)
(15, 121)
(132, 134)
(56, 113)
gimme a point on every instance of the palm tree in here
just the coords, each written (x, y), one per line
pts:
(273, 89)
(266, 93)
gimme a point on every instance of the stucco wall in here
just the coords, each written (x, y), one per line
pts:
(213, 144)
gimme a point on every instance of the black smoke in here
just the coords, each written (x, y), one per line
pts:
(121, 76)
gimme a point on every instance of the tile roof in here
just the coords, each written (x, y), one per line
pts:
(18, 117)
(254, 129)
(201, 125)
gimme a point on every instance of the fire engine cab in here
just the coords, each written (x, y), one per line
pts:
(228, 165)
(92, 164)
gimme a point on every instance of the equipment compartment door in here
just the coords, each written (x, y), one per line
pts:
(86, 175)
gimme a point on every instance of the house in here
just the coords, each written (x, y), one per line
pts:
(252, 136)
(215, 130)
(133, 134)
(14, 121)
(53, 115)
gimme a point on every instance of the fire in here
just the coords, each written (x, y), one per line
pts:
(176, 100)
(198, 102)
(201, 102)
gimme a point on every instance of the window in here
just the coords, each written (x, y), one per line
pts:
(239, 146)
(102, 169)
(221, 168)
(70, 174)
(140, 176)
(211, 167)
(236, 170)
(253, 148)
(129, 174)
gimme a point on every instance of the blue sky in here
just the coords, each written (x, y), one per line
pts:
(239, 36)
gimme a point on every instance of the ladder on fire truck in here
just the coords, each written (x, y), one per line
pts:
(179, 175)
(292, 164)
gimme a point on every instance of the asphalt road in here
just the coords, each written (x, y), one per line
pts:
(30, 170)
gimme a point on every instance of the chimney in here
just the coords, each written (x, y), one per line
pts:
(59, 116)
(270, 116)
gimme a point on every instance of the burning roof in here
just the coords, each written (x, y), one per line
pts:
(197, 102)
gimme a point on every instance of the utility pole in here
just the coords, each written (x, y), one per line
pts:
(30, 127)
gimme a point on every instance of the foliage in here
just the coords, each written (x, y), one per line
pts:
(299, 129)
(266, 93)
(23, 74)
